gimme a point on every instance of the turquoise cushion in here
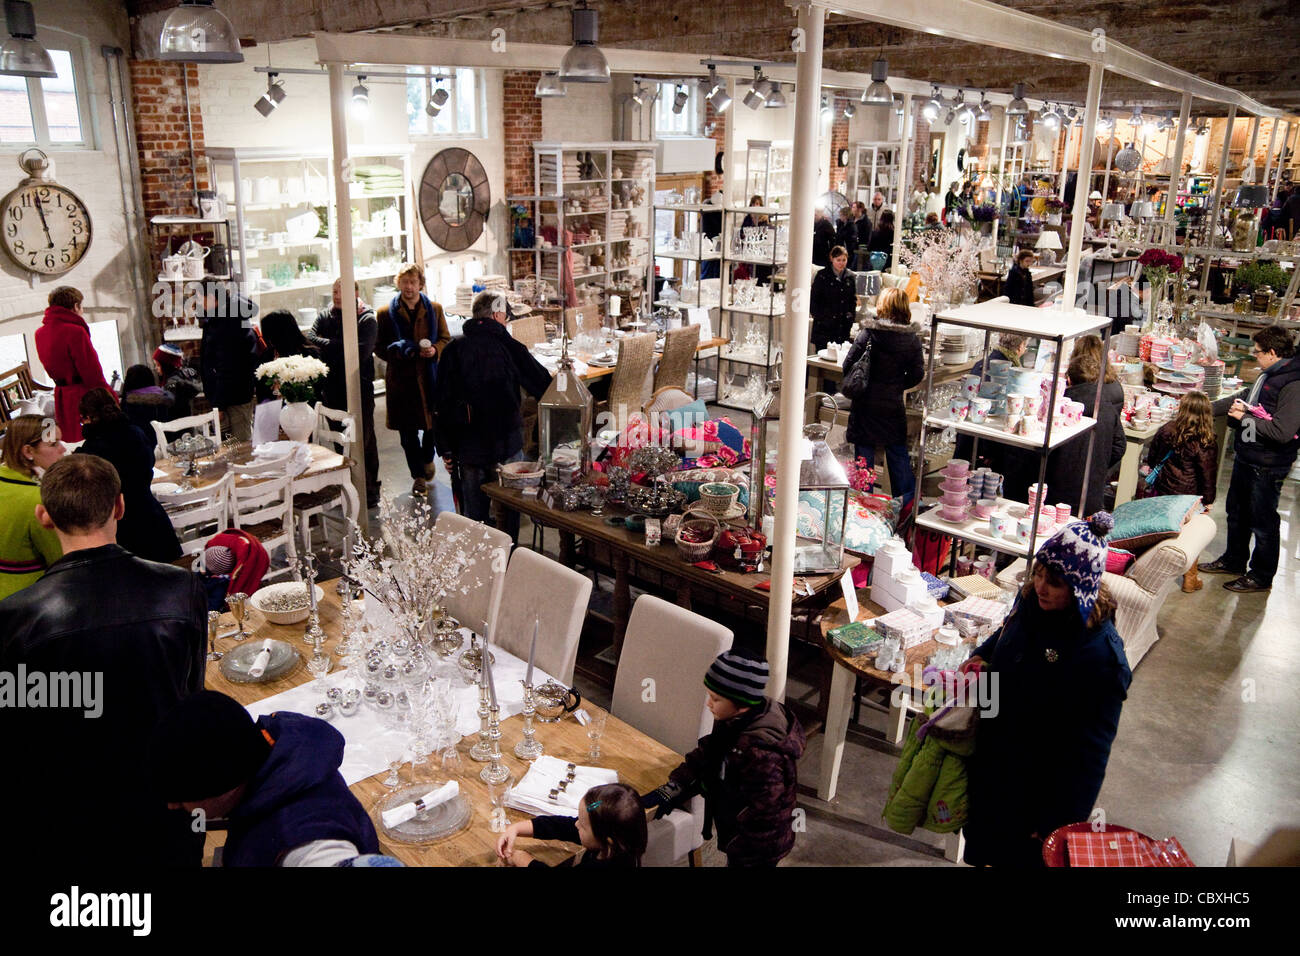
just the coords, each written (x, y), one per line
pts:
(865, 529)
(687, 416)
(1146, 521)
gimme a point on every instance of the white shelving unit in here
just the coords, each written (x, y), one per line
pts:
(737, 321)
(769, 165)
(1046, 325)
(977, 529)
(299, 181)
(876, 168)
(593, 188)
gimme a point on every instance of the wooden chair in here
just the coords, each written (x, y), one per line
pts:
(16, 387)
(208, 424)
(675, 363)
(530, 329)
(310, 504)
(265, 510)
(198, 515)
(629, 386)
(672, 647)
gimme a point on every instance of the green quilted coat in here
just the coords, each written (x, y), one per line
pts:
(929, 785)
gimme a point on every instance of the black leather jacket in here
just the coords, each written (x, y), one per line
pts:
(140, 627)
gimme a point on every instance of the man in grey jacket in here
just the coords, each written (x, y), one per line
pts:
(1264, 450)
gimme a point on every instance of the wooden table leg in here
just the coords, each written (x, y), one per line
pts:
(837, 725)
(622, 597)
(568, 548)
(684, 594)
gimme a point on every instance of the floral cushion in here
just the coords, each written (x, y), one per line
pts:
(1144, 522)
(868, 524)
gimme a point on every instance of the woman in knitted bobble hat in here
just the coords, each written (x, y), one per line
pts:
(1057, 676)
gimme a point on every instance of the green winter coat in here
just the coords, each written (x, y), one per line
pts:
(26, 548)
(929, 785)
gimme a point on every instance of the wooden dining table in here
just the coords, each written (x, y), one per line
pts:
(641, 761)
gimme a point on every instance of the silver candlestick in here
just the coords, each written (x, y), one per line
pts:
(482, 749)
(313, 634)
(529, 748)
(495, 771)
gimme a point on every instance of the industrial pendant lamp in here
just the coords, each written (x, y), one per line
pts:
(775, 99)
(717, 91)
(879, 93)
(1018, 106)
(549, 85)
(273, 96)
(584, 63)
(197, 32)
(932, 107)
(22, 54)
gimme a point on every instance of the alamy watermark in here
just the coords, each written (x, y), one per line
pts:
(59, 690)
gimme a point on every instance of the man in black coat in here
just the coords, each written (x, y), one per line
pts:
(823, 239)
(228, 353)
(327, 335)
(477, 401)
(100, 649)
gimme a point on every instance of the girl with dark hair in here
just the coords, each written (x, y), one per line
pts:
(144, 529)
(610, 826)
(144, 402)
(283, 338)
(833, 300)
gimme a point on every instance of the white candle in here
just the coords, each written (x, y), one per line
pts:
(487, 664)
(532, 654)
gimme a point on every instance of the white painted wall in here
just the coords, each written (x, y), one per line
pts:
(585, 114)
(104, 274)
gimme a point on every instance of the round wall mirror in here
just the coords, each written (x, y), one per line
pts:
(454, 199)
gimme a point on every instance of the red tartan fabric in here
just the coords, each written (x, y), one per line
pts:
(1128, 848)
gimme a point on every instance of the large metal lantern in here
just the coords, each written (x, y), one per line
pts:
(564, 412)
(766, 410)
(823, 503)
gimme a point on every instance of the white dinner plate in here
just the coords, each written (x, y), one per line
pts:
(165, 488)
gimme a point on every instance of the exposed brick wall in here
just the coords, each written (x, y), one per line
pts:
(920, 153)
(522, 119)
(166, 178)
(839, 141)
(712, 181)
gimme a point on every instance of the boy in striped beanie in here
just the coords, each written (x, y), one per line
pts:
(749, 763)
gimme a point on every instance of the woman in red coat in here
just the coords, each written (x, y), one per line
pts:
(64, 346)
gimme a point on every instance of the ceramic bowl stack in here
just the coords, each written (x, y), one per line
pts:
(464, 299)
(954, 505)
(952, 347)
(1213, 381)
(983, 483)
(1160, 351)
(1127, 342)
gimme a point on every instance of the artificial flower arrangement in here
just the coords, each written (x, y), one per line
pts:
(985, 212)
(946, 263)
(1055, 205)
(1158, 266)
(862, 476)
(295, 377)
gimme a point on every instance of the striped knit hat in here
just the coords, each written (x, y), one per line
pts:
(1078, 554)
(739, 677)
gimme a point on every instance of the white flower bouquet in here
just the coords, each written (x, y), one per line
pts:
(296, 377)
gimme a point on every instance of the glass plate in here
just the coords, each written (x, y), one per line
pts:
(442, 821)
(237, 663)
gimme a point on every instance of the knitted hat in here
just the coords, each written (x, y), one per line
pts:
(206, 746)
(739, 677)
(169, 356)
(1078, 554)
(218, 559)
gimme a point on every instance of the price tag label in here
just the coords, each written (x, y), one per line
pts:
(562, 382)
(850, 595)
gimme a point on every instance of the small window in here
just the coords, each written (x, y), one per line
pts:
(685, 123)
(460, 115)
(47, 112)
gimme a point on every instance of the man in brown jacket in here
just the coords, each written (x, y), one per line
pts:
(411, 334)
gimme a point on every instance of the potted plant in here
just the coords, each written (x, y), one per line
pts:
(1262, 273)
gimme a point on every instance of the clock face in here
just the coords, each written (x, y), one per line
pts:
(44, 228)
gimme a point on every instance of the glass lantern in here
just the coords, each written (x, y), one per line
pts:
(564, 412)
(766, 410)
(824, 501)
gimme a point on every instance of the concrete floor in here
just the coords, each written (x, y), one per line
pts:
(1208, 746)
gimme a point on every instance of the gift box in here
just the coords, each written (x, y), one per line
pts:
(889, 562)
(930, 612)
(855, 639)
(901, 591)
(982, 611)
(904, 625)
(973, 585)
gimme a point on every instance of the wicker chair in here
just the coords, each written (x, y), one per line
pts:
(629, 386)
(531, 329)
(589, 325)
(679, 349)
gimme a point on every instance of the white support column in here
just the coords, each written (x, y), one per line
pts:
(1281, 162)
(1268, 155)
(347, 276)
(1080, 210)
(1171, 197)
(1002, 170)
(1250, 150)
(794, 339)
(1065, 161)
(1218, 194)
(904, 190)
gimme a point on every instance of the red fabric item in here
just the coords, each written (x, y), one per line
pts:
(1117, 561)
(1091, 848)
(930, 550)
(64, 347)
(251, 559)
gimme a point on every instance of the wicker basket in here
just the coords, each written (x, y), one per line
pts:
(520, 474)
(693, 551)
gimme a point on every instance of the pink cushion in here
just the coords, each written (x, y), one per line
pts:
(1117, 560)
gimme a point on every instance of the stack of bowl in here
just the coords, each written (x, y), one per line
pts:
(955, 487)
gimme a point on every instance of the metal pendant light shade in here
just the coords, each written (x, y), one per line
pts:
(22, 54)
(775, 99)
(1128, 159)
(1018, 106)
(197, 32)
(879, 93)
(584, 63)
(549, 85)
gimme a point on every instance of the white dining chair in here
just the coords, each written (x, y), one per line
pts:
(311, 504)
(485, 575)
(659, 690)
(556, 597)
(207, 424)
(197, 515)
(265, 510)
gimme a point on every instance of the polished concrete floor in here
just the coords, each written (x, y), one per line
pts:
(1208, 746)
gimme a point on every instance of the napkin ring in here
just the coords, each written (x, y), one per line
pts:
(420, 805)
(554, 796)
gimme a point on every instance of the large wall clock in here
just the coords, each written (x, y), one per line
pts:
(44, 227)
(454, 199)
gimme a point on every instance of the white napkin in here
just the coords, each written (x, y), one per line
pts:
(260, 661)
(408, 811)
(533, 793)
(299, 461)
